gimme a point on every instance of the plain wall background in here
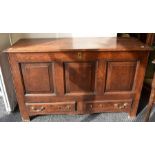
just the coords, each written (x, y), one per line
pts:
(4, 41)
(17, 36)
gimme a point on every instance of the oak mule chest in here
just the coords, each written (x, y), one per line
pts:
(77, 76)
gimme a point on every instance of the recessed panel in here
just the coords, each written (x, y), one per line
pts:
(37, 77)
(120, 76)
(80, 77)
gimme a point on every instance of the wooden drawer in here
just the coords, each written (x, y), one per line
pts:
(51, 108)
(107, 106)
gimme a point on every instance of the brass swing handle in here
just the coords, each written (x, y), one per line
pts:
(38, 109)
(121, 106)
(67, 107)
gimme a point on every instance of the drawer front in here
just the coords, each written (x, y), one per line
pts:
(51, 108)
(107, 106)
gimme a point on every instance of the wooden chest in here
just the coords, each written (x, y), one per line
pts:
(78, 76)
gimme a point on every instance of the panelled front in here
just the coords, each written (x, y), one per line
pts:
(92, 79)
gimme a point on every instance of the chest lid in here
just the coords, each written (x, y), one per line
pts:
(73, 44)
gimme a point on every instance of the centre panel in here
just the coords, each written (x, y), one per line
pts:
(80, 77)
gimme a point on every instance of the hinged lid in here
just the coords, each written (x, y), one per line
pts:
(71, 44)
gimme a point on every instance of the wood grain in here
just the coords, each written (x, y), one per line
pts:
(86, 72)
(69, 44)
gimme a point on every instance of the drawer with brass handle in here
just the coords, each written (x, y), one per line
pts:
(121, 105)
(37, 109)
(50, 108)
(107, 106)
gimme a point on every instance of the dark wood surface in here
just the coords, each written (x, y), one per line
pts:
(68, 44)
(151, 99)
(55, 77)
(150, 38)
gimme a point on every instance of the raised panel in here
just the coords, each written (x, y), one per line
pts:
(37, 77)
(80, 77)
(120, 76)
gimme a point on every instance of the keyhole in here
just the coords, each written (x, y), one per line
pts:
(79, 55)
